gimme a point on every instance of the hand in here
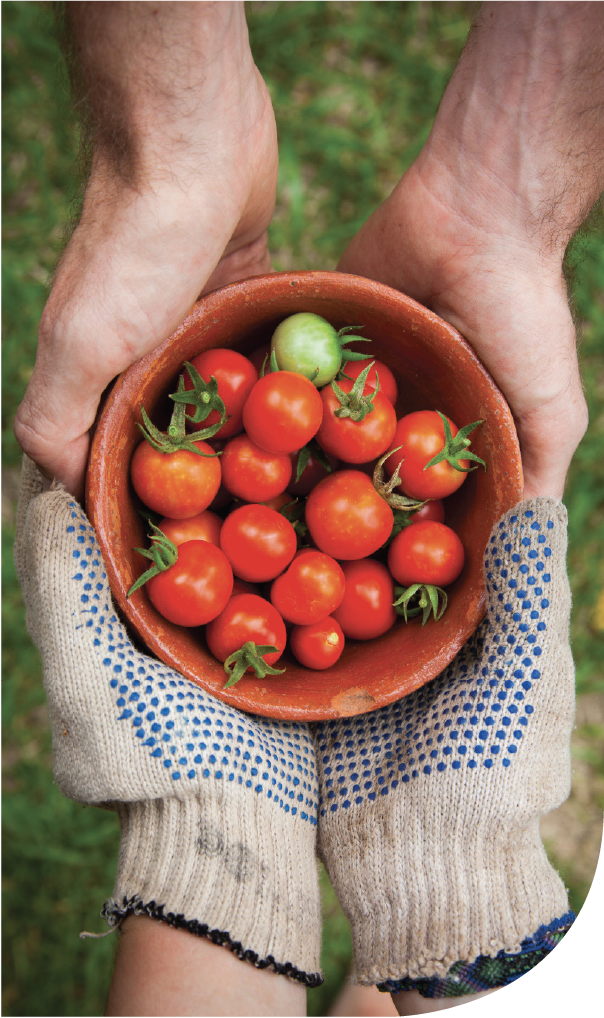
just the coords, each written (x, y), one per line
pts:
(180, 208)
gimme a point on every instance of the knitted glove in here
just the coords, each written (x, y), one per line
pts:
(217, 808)
(429, 810)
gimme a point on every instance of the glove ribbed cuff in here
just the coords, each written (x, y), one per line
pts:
(222, 872)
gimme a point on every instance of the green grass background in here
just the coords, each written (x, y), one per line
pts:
(355, 87)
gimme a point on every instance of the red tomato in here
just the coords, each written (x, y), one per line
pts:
(258, 542)
(241, 587)
(311, 589)
(346, 517)
(313, 472)
(318, 646)
(196, 588)
(366, 610)
(251, 473)
(247, 617)
(355, 441)
(279, 501)
(426, 552)
(205, 526)
(236, 376)
(283, 412)
(422, 436)
(176, 484)
(432, 510)
(388, 386)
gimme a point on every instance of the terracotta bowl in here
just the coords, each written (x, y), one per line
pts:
(435, 369)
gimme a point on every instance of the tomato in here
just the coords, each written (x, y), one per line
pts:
(259, 356)
(196, 588)
(283, 412)
(241, 587)
(307, 343)
(177, 484)
(313, 472)
(388, 386)
(205, 526)
(355, 441)
(318, 646)
(236, 376)
(247, 617)
(366, 610)
(421, 436)
(258, 542)
(279, 501)
(432, 510)
(311, 589)
(346, 517)
(426, 552)
(251, 473)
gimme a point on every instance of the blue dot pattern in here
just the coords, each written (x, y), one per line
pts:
(476, 714)
(184, 729)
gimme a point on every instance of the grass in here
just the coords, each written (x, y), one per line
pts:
(355, 87)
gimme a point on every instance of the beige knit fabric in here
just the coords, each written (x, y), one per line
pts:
(448, 864)
(218, 808)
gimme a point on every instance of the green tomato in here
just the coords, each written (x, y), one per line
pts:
(305, 342)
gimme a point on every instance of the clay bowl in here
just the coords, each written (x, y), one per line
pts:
(435, 368)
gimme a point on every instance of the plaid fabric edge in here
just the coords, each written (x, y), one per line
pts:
(486, 973)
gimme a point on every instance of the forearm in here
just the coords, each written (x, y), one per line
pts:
(523, 119)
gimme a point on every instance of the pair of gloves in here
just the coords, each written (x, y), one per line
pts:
(425, 813)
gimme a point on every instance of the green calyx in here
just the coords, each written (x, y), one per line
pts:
(351, 355)
(203, 396)
(250, 655)
(354, 404)
(163, 553)
(386, 488)
(269, 364)
(294, 514)
(313, 449)
(456, 449)
(176, 437)
(420, 598)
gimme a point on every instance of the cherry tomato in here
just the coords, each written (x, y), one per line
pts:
(196, 588)
(346, 517)
(176, 484)
(388, 386)
(311, 589)
(308, 344)
(355, 441)
(366, 610)
(283, 412)
(313, 472)
(421, 436)
(318, 646)
(259, 356)
(432, 510)
(279, 501)
(251, 473)
(258, 542)
(205, 526)
(236, 376)
(241, 587)
(247, 617)
(427, 552)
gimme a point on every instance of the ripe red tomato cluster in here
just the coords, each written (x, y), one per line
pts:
(273, 521)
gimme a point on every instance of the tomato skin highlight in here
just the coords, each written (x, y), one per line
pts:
(422, 435)
(176, 484)
(388, 386)
(426, 552)
(310, 590)
(319, 645)
(206, 526)
(251, 473)
(236, 376)
(283, 412)
(366, 610)
(196, 588)
(258, 542)
(246, 617)
(355, 441)
(346, 517)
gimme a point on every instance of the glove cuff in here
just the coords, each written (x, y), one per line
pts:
(238, 876)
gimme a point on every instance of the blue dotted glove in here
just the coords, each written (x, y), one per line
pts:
(429, 814)
(217, 808)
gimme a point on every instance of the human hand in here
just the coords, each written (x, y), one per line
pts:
(217, 808)
(178, 202)
(430, 807)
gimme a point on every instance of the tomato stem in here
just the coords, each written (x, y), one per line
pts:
(354, 404)
(424, 598)
(249, 656)
(386, 488)
(176, 437)
(163, 553)
(456, 449)
(203, 397)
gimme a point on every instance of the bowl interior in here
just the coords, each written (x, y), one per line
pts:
(435, 369)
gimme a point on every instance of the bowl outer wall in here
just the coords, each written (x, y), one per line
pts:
(436, 369)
